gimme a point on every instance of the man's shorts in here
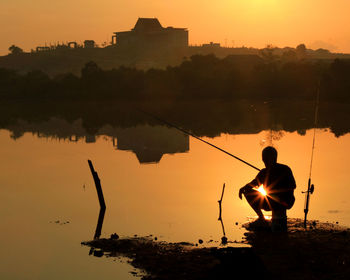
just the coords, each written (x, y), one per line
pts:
(269, 202)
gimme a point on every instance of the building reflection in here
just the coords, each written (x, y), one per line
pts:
(148, 143)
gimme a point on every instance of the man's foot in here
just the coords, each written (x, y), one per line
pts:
(259, 224)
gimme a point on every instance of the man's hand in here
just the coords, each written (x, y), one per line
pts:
(242, 190)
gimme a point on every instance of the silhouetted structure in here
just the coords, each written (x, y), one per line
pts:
(41, 49)
(148, 32)
(212, 45)
(72, 45)
(89, 44)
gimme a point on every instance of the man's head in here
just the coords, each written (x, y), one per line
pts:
(269, 156)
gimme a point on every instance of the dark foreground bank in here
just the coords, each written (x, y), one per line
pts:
(320, 252)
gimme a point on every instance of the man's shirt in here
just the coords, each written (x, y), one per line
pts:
(279, 183)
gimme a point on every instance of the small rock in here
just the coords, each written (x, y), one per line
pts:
(114, 236)
(156, 238)
(98, 254)
(224, 240)
(337, 222)
(200, 241)
(236, 223)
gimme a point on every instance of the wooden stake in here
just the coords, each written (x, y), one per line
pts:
(98, 185)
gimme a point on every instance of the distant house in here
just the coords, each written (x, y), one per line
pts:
(211, 45)
(89, 44)
(148, 32)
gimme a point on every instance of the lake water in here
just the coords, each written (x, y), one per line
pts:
(155, 181)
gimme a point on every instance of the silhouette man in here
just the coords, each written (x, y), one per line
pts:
(279, 184)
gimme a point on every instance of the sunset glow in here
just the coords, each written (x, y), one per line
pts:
(253, 23)
(262, 190)
(140, 129)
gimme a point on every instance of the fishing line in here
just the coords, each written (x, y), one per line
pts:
(198, 138)
(315, 125)
(310, 187)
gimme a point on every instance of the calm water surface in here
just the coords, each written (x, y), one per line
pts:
(44, 180)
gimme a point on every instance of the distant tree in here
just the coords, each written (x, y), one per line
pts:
(15, 50)
(92, 76)
(268, 53)
(301, 51)
(301, 47)
(322, 52)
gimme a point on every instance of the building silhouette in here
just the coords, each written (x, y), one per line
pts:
(148, 32)
(89, 44)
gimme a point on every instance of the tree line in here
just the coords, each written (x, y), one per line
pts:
(198, 77)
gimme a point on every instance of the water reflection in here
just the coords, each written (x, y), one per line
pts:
(148, 143)
(130, 130)
(98, 231)
(99, 225)
(175, 200)
(223, 238)
(203, 118)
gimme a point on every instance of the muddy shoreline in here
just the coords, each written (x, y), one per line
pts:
(319, 252)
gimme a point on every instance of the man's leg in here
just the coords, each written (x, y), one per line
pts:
(257, 202)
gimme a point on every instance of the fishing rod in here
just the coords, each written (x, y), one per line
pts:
(311, 187)
(198, 138)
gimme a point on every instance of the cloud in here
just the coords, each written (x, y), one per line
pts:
(322, 45)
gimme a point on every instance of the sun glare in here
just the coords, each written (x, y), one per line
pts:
(262, 190)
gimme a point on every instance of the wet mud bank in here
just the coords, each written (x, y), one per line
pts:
(163, 260)
(320, 252)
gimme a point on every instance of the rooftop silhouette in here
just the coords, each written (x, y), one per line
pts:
(148, 32)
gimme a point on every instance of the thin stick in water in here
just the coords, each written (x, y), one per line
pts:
(98, 186)
(220, 201)
(223, 238)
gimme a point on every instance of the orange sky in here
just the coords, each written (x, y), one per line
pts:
(317, 23)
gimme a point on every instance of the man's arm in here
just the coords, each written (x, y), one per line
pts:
(248, 186)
